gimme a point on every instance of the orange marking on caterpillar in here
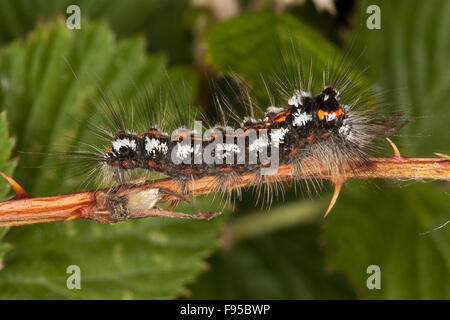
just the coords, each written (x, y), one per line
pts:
(310, 138)
(301, 145)
(190, 171)
(279, 114)
(321, 114)
(227, 170)
(282, 119)
(196, 138)
(153, 164)
(126, 163)
(294, 151)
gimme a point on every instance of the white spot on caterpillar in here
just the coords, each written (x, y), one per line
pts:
(183, 151)
(296, 99)
(345, 131)
(330, 116)
(277, 136)
(128, 143)
(273, 109)
(250, 119)
(259, 144)
(326, 97)
(229, 149)
(154, 145)
(197, 150)
(301, 118)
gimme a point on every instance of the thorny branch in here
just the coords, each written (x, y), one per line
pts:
(139, 201)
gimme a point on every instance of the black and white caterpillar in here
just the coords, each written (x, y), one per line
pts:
(329, 127)
(306, 126)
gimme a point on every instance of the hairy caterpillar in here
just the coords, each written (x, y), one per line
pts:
(333, 123)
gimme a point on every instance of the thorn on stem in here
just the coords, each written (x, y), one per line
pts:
(443, 155)
(20, 192)
(337, 189)
(397, 153)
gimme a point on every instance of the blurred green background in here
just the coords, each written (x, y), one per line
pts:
(287, 252)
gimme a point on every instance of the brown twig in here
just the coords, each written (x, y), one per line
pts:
(139, 201)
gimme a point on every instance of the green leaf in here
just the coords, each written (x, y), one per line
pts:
(251, 44)
(287, 264)
(153, 258)
(160, 21)
(393, 229)
(408, 60)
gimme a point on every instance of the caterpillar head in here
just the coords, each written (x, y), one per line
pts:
(326, 105)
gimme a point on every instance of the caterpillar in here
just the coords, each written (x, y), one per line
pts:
(333, 126)
(295, 130)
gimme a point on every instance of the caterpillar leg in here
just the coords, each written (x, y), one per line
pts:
(181, 197)
(173, 205)
(156, 212)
